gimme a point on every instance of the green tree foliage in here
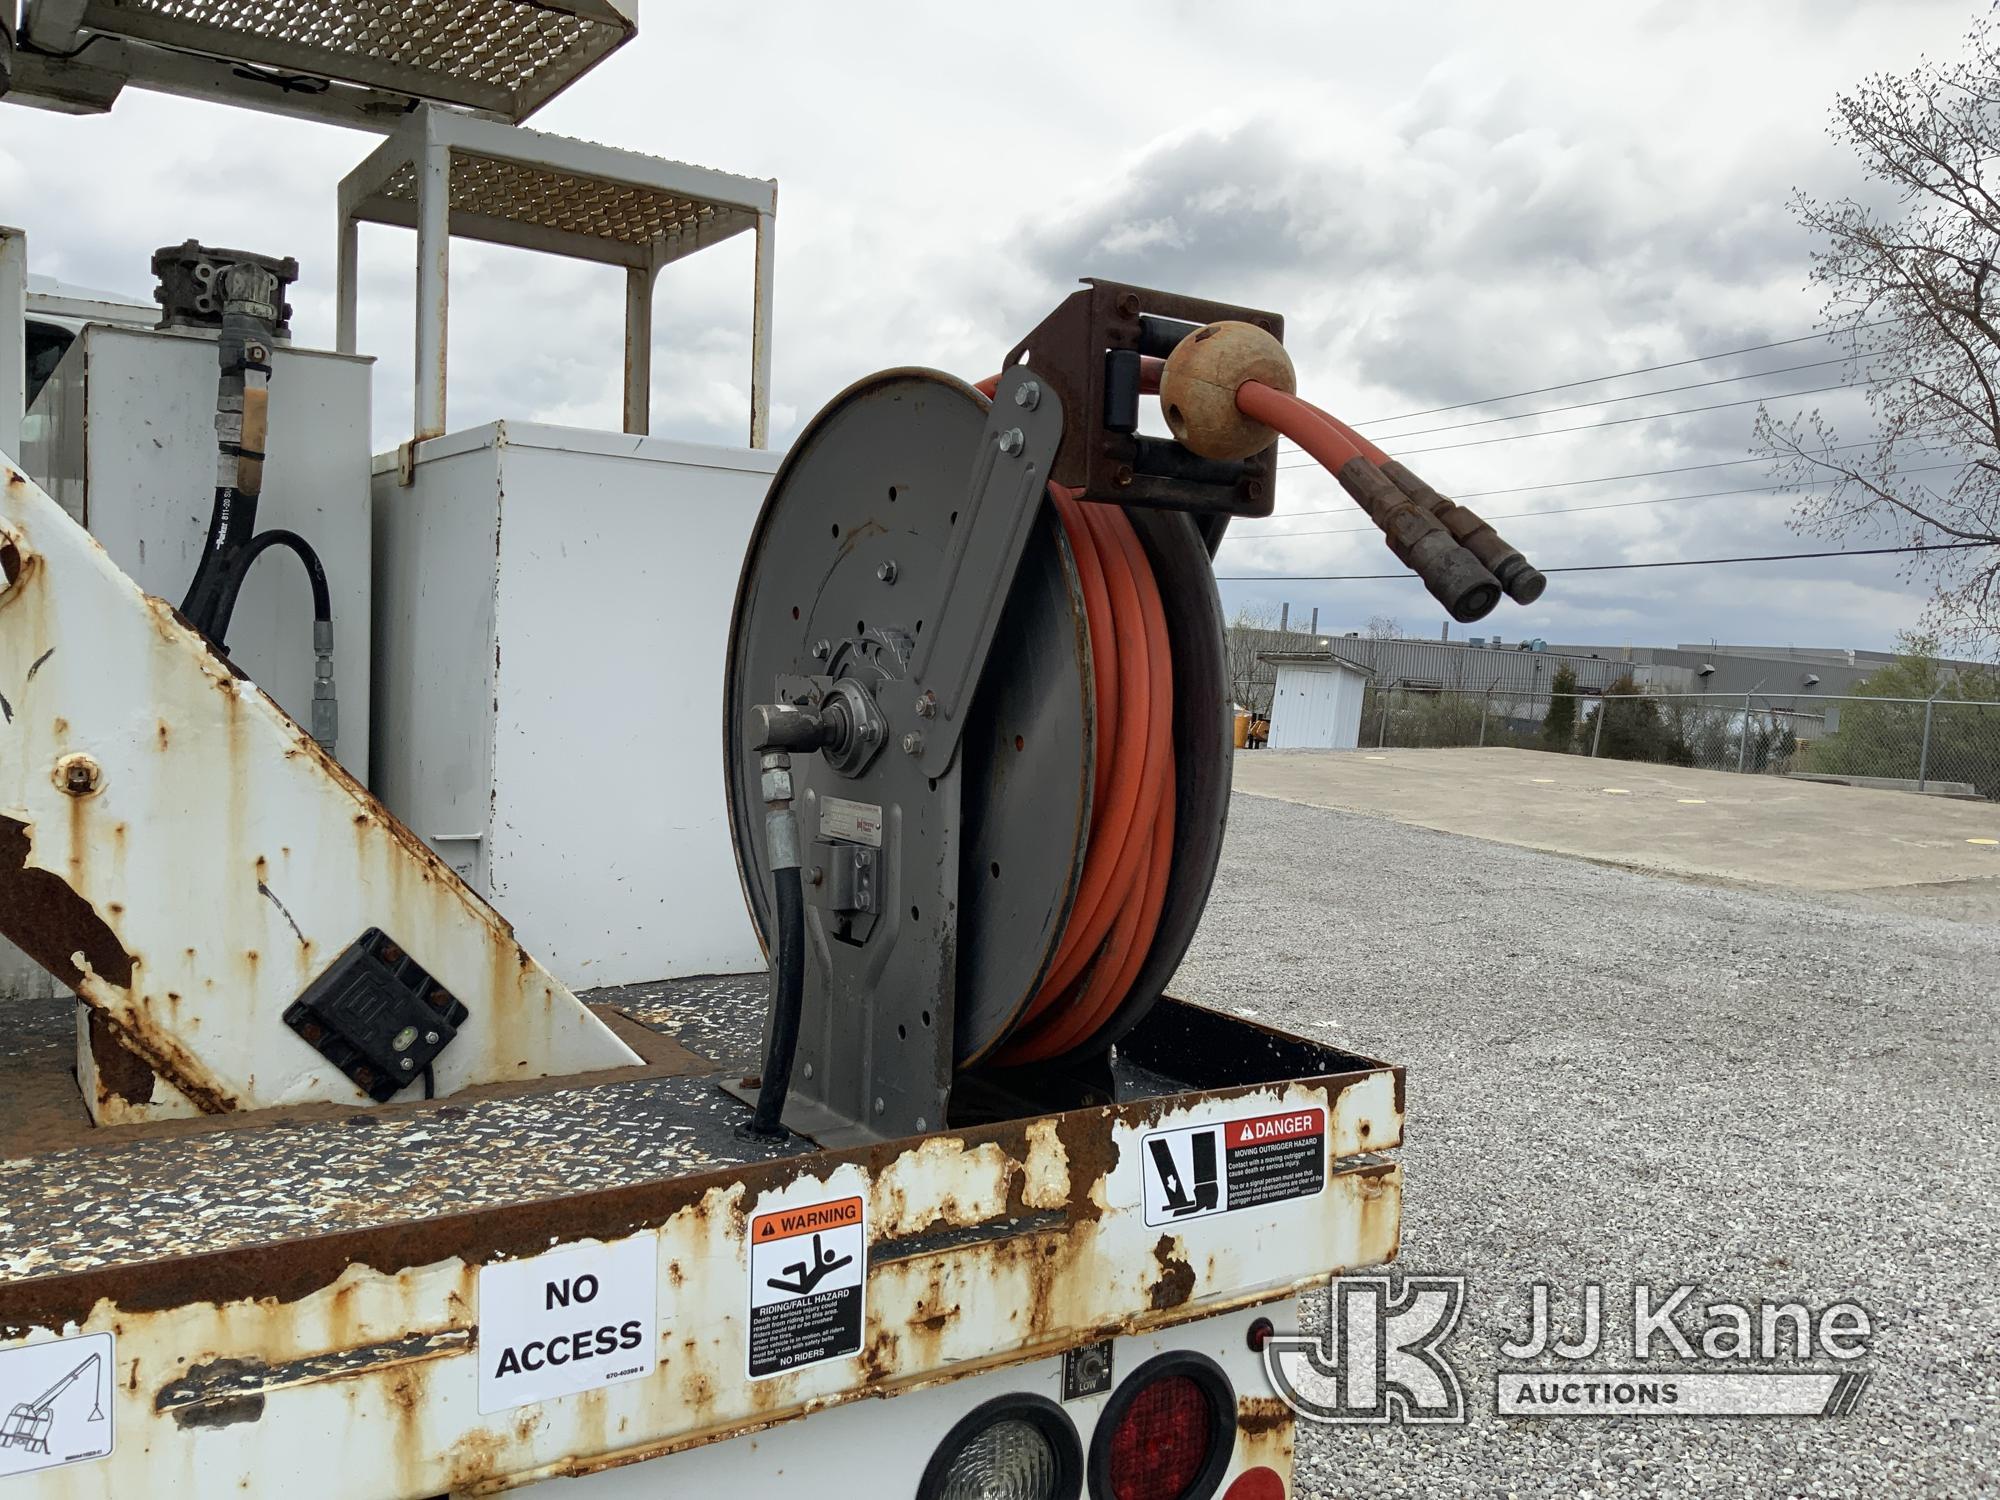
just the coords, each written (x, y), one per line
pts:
(1559, 725)
(1885, 737)
(1634, 728)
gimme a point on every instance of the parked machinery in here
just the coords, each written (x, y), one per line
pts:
(977, 733)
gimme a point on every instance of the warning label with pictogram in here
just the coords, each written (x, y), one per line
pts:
(808, 1276)
(1201, 1170)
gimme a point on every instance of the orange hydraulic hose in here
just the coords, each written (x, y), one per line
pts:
(1305, 424)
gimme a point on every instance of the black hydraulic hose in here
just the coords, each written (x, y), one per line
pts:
(325, 709)
(788, 986)
(211, 596)
(773, 727)
(302, 549)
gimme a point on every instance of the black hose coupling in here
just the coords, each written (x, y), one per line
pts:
(1523, 583)
(1455, 578)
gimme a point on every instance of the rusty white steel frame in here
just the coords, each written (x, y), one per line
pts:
(501, 58)
(187, 859)
(436, 175)
(348, 1364)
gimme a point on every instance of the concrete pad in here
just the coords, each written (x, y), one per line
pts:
(1885, 849)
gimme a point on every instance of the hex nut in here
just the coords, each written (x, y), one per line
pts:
(78, 775)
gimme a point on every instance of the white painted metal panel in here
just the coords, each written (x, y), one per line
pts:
(565, 612)
(1316, 707)
(130, 451)
(437, 548)
(215, 859)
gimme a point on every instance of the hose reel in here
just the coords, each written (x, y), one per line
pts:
(977, 721)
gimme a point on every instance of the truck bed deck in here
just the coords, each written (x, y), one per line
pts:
(289, 1284)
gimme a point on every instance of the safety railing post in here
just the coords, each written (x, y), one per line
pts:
(1597, 733)
(1743, 739)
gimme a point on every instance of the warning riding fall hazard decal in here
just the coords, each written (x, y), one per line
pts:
(1200, 1170)
(808, 1275)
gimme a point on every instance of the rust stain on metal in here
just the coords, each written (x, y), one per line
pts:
(1176, 1280)
(48, 921)
(157, 1046)
(1258, 1415)
(121, 1072)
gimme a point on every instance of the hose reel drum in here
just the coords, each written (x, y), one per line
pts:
(962, 610)
(909, 589)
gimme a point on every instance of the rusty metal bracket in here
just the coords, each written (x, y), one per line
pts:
(1087, 351)
(182, 855)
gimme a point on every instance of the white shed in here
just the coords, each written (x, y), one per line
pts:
(1316, 704)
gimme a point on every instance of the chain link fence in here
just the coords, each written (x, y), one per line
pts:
(1945, 746)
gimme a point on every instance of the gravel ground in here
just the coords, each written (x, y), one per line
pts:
(1616, 1078)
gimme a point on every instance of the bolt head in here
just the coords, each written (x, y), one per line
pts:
(78, 775)
(1028, 394)
(926, 704)
(409, 1064)
(912, 743)
(431, 1037)
(881, 1106)
(822, 650)
(887, 572)
(1012, 440)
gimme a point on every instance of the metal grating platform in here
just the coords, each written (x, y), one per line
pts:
(528, 193)
(507, 57)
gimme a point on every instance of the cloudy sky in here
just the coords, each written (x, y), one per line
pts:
(1448, 202)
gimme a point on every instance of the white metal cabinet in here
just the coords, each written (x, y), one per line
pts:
(552, 616)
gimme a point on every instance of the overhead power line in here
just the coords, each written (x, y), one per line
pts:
(1678, 562)
(1652, 416)
(1678, 364)
(1571, 510)
(1665, 390)
(1567, 484)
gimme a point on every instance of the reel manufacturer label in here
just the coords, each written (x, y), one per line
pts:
(808, 1280)
(1201, 1170)
(855, 822)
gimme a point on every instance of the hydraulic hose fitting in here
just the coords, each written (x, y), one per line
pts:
(1523, 583)
(325, 707)
(1455, 577)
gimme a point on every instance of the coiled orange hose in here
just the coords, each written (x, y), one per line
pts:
(1128, 856)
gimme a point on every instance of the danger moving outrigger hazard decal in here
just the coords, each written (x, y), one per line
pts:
(808, 1278)
(1201, 1170)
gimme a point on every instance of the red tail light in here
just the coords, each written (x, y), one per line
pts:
(1161, 1446)
(1166, 1434)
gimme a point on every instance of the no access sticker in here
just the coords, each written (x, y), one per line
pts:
(1200, 1170)
(808, 1280)
(568, 1320)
